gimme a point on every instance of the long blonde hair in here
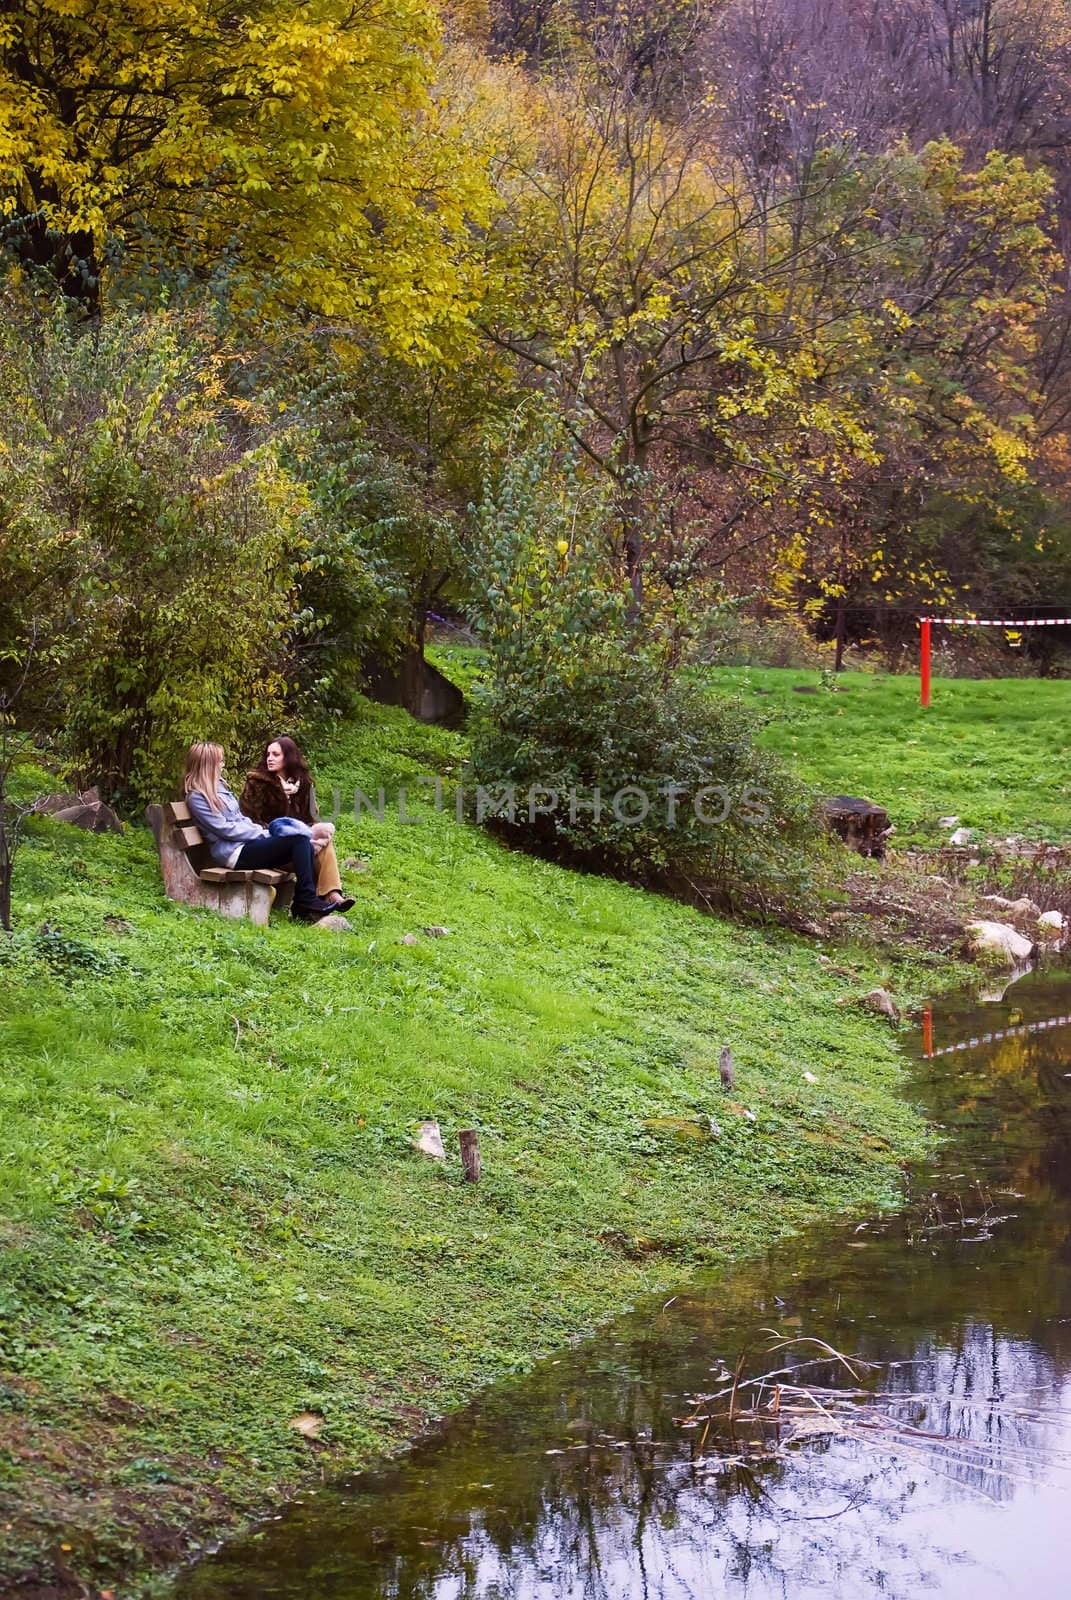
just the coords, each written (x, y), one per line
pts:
(204, 768)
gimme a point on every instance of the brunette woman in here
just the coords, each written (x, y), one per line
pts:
(281, 786)
(235, 841)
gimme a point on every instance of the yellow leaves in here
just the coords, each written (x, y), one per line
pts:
(896, 315)
(287, 126)
(1010, 451)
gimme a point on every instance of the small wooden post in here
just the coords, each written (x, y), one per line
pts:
(924, 662)
(927, 1032)
(469, 1141)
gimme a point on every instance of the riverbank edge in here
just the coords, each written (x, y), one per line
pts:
(951, 975)
(164, 1524)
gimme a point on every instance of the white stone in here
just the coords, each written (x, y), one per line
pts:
(1022, 913)
(961, 836)
(429, 1141)
(998, 942)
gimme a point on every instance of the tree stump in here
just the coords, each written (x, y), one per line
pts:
(469, 1141)
(861, 824)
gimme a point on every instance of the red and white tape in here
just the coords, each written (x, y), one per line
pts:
(989, 622)
(998, 1034)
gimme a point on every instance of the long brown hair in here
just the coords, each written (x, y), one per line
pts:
(204, 768)
(294, 763)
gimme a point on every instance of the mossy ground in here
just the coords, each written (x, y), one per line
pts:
(212, 1218)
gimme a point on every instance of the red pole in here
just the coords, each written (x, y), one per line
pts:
(927, 1033)
(924, 662)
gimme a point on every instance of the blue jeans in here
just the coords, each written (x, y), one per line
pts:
(281, 827)
(293, 851)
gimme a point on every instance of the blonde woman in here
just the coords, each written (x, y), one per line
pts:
(235, 841)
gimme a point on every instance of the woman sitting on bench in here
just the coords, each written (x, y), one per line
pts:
(235, 841)
(281, 786)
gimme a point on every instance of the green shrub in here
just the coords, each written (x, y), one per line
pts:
(580, 699)
(376, 551)
(154, 543)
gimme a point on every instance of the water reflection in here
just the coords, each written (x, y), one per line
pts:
(947, 1467)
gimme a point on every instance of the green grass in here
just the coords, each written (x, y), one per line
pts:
(211, 1214)
(996, 753)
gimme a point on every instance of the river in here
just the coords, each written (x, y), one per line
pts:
(940, 1468)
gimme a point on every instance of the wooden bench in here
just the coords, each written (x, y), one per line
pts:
(191, 877)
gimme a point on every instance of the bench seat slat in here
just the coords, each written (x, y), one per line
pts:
(242, 875)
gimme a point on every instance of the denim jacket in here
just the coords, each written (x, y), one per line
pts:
(226, 831)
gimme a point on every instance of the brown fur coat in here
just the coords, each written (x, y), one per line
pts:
(264, 799)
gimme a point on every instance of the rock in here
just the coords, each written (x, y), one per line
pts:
(861, 824)
(997, 942)
(49, 804)
(961, 836)
(92, 816)
(334, 924)
(947, 822)
(1022, 913)
(429, 1141)
(881, 1000)
(809, 1077)
(436, 932)
(1051, 926)
(308, 1423)
(409, 938)
(355, 864)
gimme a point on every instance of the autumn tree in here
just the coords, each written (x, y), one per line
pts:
(294, 149)
(640, 286)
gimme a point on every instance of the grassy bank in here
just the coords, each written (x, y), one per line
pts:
(212, 1219)
(996, 753)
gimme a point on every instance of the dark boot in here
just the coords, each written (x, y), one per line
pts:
(311, 910)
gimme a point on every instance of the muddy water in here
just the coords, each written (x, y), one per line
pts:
(943, 1469)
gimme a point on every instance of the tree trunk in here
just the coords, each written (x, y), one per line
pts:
(632, 521)
(838, 658)
(842, 578)
(70, 260)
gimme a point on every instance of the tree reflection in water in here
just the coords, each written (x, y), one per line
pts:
(578, 1483)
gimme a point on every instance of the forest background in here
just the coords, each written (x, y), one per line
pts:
(625, 330)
